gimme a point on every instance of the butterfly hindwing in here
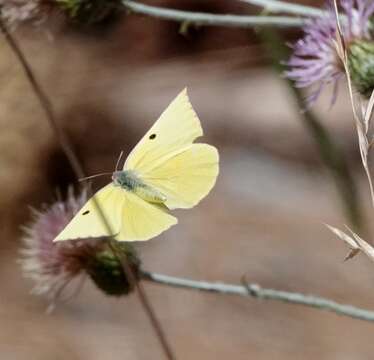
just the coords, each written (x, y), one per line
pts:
(142, 220)
(186, 177)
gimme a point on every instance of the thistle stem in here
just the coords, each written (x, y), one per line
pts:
(276, 6)
(256, 291)
(78, 168)
(207, 19)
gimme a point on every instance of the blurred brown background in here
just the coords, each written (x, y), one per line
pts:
(264, 218)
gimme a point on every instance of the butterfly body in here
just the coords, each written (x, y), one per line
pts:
(130, 181)
(166, 170)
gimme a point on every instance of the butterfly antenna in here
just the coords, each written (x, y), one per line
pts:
(119, 160)
(94, 176)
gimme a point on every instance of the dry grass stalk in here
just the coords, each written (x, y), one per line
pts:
(362, 118)
(363, 114)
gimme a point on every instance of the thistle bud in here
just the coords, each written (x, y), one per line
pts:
(107, 273)
(361, 66)
(90, 11)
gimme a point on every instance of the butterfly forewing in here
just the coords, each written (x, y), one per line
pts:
(88, 222)
(177, 127)
(129, 217)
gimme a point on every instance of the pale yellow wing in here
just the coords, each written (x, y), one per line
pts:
(142, 220)
(88, 222)
(186, 177)
(129, 217)
(176, 128)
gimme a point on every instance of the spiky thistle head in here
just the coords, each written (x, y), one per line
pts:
(315, 61)
(15, 12)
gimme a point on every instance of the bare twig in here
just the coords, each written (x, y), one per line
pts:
(143, 298)
(44, 101)
(78, 169)
(256, 291)
(276, 6)
(207, 19)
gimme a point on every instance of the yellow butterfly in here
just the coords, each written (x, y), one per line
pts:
(165, 170)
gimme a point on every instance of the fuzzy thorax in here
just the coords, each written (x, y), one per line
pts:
(129, 181)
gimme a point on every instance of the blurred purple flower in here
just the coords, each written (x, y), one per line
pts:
(53, 265)
(314, 61)
(14, 12)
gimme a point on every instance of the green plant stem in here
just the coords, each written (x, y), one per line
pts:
(256, 291)
(66, 147)
(330, 153)
(207, 19)
(276, 6)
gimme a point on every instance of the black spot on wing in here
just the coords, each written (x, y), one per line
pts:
(153, 136)
(86, 212)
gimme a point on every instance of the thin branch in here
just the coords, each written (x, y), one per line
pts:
(256, 291)
(329, 151)
(44, 101)
(143, 298)
(276, 6)
(207, 19)
(78, 169)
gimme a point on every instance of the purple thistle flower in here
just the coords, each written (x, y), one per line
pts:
(52, 266)
(14, 12)
(315, 61)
